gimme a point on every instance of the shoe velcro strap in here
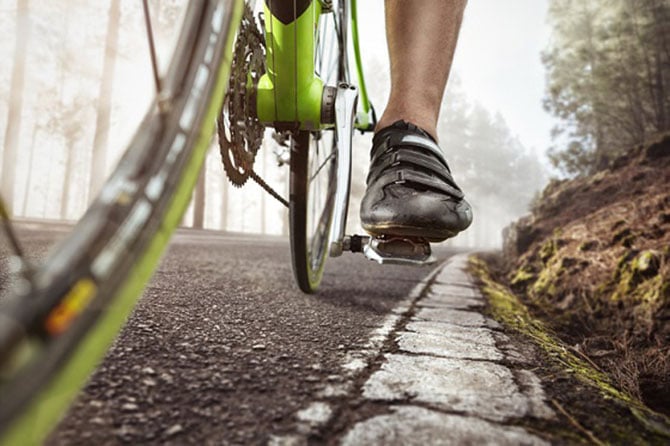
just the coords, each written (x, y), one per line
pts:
(408, 140)
(421, 179)
(416, 160)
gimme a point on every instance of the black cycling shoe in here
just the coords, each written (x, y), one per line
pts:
(410, 190)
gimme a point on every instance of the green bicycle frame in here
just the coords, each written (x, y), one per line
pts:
(290, 94)
(290, 91)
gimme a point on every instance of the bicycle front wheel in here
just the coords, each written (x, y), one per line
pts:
(313, 178)
(55, 329)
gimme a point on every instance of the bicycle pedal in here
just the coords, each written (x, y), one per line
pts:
(392, 250)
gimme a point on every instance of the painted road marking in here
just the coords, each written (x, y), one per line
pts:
(447, 383)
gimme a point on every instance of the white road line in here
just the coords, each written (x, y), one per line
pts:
(448, 373)
(355, 362)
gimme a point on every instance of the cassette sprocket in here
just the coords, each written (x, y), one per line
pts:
(239, 130)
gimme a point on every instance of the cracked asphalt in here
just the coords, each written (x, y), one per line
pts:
(224, 349)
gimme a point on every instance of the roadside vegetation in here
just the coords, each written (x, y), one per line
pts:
(590, 265)
(608, 79)
(594, 261)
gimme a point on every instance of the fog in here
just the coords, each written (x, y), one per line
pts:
(495, 157)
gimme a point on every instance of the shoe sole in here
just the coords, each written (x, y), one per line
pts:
(396, 230)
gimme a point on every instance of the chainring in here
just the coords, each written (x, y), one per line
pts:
(239, 130)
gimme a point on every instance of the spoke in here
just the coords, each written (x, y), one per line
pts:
(332, 154)
(152, 47)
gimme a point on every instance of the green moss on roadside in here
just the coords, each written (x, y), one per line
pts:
(507, 309)
(522, 277)
(547, 250)
(545, 283)
(636, 278)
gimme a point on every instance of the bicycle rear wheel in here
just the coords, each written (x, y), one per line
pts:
(313, 178)
(55, 330)
(312, 193)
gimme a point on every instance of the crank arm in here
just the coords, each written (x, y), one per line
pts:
(345, 112)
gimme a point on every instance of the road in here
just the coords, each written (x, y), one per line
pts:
(223, 348)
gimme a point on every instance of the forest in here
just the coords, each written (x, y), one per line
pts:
(77, 79)
(608, 72)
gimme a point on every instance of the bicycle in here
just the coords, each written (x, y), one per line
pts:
(285, 68)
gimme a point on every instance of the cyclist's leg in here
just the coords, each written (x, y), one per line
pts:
(421, 41)
(410, 189)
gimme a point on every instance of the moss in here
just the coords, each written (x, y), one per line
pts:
(522, 277)
(549, 276)
(510, 311)
(545, 283)
(547, 251)
(623, 284)
(652, 291)
(647, 263)
(632, 277)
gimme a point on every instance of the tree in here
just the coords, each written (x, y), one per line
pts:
(608, 68)
(11, 142)
(498, 175)
(97, 174)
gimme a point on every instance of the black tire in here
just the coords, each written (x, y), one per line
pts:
(313, 178)
(310, 206)
(53, 333)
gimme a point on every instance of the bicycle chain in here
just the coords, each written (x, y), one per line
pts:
(261, 182)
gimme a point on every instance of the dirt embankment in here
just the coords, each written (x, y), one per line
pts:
(593, 262)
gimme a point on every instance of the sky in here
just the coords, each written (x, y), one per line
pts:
(497, 60)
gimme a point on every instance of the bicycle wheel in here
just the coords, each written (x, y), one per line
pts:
(55, 330)
(312, 191)
(313, 178)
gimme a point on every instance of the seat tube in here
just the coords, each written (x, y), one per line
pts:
(289, 93)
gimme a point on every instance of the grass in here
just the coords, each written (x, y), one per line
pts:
(508, 309)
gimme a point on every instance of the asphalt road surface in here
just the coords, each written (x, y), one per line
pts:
(223, 348)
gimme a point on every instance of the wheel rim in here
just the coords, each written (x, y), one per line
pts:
(58, 363)
(321, 184)
(322, 154)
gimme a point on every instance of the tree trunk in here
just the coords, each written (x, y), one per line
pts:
(264, 195)
(224, 200)
(104, 102)
(199, 199)
(65, 120)
(67, 177)
(11, 143)
(29, 179)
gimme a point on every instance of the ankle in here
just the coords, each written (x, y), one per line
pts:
(424, 123)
